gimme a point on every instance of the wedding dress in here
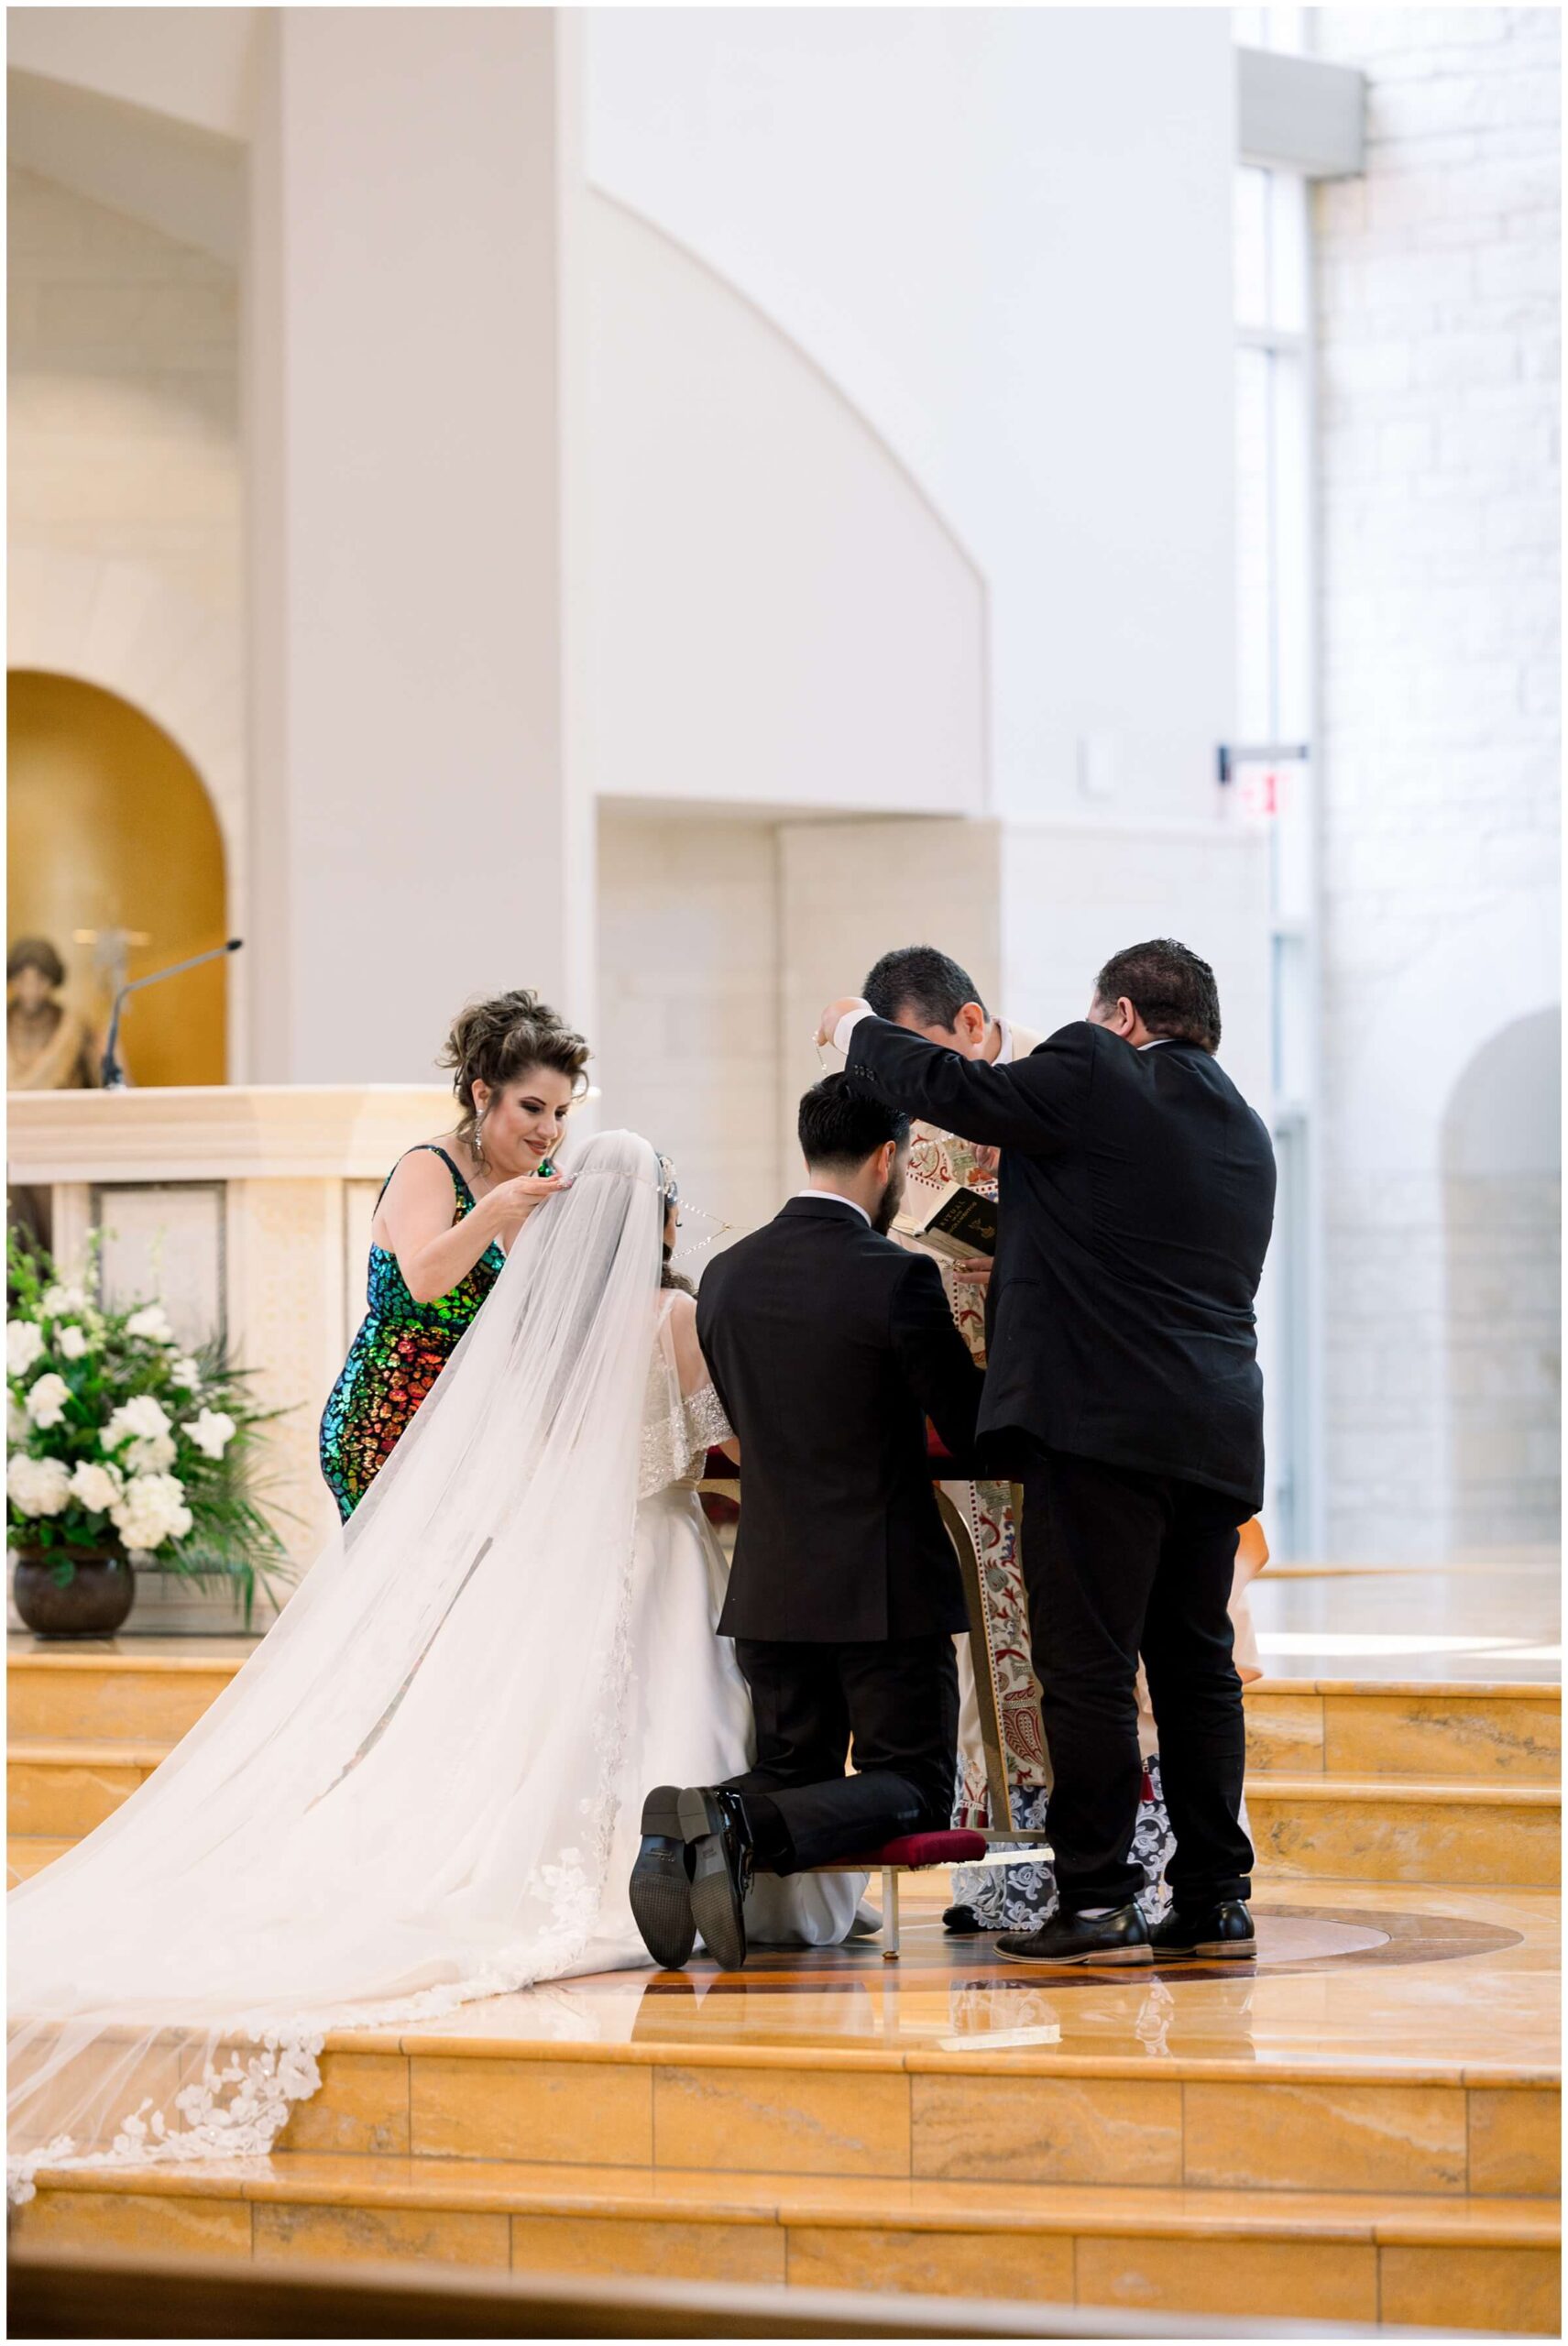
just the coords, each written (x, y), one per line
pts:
(425, 1785)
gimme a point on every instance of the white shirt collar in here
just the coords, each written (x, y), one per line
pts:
(1155, 1041)
(835, 1198)
(1005, 1056)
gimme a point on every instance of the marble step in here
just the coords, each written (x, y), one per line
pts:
(1305, 1825)
(154, 1690)
(1324, 1827)
(61, 1786)
(1310, 2256)
(111, 1693)
(1472, 1731)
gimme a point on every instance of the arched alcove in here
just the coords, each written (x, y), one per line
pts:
(110, 827)
(1501, 1186)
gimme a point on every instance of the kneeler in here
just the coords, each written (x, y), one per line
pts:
(917, 1852)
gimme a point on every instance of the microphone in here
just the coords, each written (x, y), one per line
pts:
(112, 1073)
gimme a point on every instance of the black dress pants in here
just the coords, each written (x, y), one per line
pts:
(1117, 1563)
(897, 1700)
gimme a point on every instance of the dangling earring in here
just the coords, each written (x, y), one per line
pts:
(478, 1143)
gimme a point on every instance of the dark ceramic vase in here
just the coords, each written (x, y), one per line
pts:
(94, 1602)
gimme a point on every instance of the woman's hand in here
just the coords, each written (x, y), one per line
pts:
(508, 1206)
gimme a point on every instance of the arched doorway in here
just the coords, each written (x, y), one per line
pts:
(111, 832)
(1502, 1182)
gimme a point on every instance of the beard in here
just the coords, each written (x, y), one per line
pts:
(887, 1207)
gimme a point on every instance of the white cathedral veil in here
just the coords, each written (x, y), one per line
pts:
(405, 1799)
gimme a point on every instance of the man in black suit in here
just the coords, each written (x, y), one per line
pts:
(828, 1347)
(1122, 1385)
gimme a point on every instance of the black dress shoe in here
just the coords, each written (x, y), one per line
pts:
(661, 1882)
(963, 1922)
(1220, 1934)
(718, 1850)
(1120, 1936)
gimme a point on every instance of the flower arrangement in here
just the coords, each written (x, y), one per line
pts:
(119, 1443)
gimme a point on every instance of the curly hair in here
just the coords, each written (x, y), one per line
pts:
(496, 1043)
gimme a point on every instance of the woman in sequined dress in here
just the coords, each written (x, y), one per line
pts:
(446, 1215)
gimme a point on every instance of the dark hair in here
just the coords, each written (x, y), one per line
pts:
(1172, 991)
(841, 1128)
(496, 1042)
(918, 978)
(670, 1197)
(35, 953)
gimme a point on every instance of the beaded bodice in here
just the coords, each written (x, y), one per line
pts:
(387, 1292)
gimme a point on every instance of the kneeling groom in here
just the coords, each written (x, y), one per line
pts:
(828, 1347)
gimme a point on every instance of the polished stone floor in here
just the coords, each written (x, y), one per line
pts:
(1431, 1982)
(1480, 1618)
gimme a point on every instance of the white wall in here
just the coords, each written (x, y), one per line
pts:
(1005, 234)
(775, 615)
(419, 830)
(686, 1044)
(1438, 278)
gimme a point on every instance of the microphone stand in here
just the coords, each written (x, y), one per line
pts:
(111, 1074)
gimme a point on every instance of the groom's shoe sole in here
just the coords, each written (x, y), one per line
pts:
(716, 1894)
(1092, 1956)
(660, 1889)
(1210, 1951)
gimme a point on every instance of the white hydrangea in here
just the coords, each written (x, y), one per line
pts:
(72, 1342)
(151, 1509)
(37, 1485)
(143, 1415)
(95, 1487)
(46, 1400)
(59, 1302)
(23, 1343)
(184, 1373)
(151, 1321)
(148, 1456)
(212, 1432)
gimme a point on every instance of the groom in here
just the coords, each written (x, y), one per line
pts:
(828, 1347)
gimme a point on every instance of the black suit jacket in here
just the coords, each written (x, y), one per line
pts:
(1136, 1201)
(828, 1347)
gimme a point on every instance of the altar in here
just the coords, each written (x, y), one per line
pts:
(246, 1211)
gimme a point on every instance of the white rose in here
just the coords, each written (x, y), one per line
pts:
(143, 1415)
(37, 1485)
(18, 1425)
(212, 1432)
(23, 1343)
(96, 1487)
(185, 1373)
(70, 1342)
(153, 1321)
(151, 1509)
(45, 1401)
(60, 1301)
(148, 1456)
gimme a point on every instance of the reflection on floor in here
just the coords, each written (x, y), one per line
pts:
(1497, 1617)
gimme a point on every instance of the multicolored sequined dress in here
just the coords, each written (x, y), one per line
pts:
(401, 1350)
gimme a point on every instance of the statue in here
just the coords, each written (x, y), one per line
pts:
(48, 1047)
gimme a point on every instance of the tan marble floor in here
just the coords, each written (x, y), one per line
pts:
(1479, 1617)
(1403, 2002)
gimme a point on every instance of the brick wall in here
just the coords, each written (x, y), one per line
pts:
(1438, 391)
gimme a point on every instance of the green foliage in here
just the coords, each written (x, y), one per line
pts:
(130, 1447)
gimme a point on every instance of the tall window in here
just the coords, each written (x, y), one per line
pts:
(1274, 717)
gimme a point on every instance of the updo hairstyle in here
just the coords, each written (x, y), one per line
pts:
(497, 1042)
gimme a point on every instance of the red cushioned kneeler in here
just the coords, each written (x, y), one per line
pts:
(910, 1854)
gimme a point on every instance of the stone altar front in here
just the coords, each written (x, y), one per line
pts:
(247, 1210)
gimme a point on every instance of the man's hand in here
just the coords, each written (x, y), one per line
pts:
(827, 1027)
(976, 1271)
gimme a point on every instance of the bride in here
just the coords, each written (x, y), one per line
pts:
(425, 1785)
